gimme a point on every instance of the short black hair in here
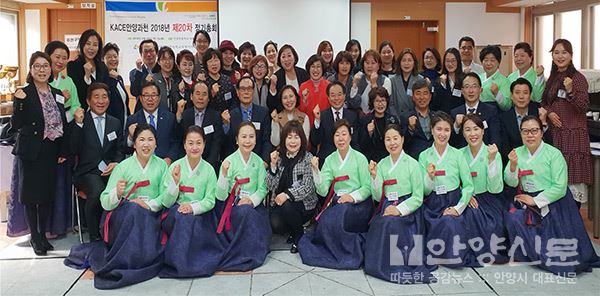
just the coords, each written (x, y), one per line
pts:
(441, 116)
(313, 59)
(294, 53)
(520, 81)
(270, 42)
(294, 91)
(245, 46)
(85, 36)
(94, 86)
(210, 52)
(340, 57)
(193, 129)
(54, 45)
(436, 55)
(151, 84)
(466, 39)
(353, 42)
(206, 35)
(394, 126)
(148, 41)
(337, 82)
(532, 117)
(110, 46)
(237, 85)
(381, 92)
(491, 49)
(472, 75)
(142, 126)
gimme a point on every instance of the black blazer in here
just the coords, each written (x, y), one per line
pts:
(373, 147)
(322, 137)
(28, 120)
(167, 143)
(274, 101)
(116, 108)
(511, 135)
(76, 72)
(415, 142)
(443, 99)
(86, 145)
(137, 80)
(213, 133)
(489, 115)
(263, 137)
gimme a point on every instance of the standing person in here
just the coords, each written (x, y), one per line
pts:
(291, 182)
(185, 65)
(246, 52)
(325, 51)
(372, 127)
(270, 51)
(243, 227)
(189, 195)
(258, 72)
(96, 141)
(338, 240)
(363, 82)
(447, 93)
(342, 65)
(119, 99)
(406, 73)
(230, 67)
(39, 117)
(466, 45)
(288, 73)
(544, 209)
(388, 58)
(566, 99)
(166, 79)
(314, 91)
(222, 91)
(131, 251)
(524, 63)
(417, 122)
(432, 64)
(88, 67)
(355, 50)
(290, 100)
(496, 88)
(397, 184)
(59, 54)
(201, 44)
(144, 67)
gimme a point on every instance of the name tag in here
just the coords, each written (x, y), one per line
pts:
(341, 192)
(145, 198)
(562, 94)
(440, 189)
(529, 186)
(485, 125)
(409, 92)
(457, 93)
(392, 196)
(227, 96)
(256, 125)
(60, 99)
(209, 129)
(244, 194)
(112, 136)
(439, 173)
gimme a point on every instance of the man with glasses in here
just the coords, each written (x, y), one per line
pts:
(144, 66)
(471, 90)
(466, 45)
(510, 120)
(163, 121)
(247, 111)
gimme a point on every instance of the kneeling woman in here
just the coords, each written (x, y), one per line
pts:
(291, 182)
(545, 212)
(338, 239)
(189, 194)
(398, 186)
(243, 224)
(449, 187)
(131, 251)
(484, 218)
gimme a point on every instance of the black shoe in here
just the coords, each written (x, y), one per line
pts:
(47, 244)
(294, 249)
(290, 239)
(38, 247)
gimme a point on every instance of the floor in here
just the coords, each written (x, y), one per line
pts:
(21, 273)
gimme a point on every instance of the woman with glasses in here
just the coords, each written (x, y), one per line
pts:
(544, 212)
(167, 79)
(566, 99)
(222, 92)
(258, 70)
(446, 89)
(39, 117)
(432, 64)
(201, 43)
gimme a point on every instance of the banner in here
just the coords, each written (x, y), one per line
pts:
(169, 23)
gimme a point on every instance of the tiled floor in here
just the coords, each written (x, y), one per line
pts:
(282, 274)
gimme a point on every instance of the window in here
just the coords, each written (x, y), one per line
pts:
(570, 29)
(544, 37)
(9, 55)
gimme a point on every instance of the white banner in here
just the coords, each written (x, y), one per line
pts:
(169, 23)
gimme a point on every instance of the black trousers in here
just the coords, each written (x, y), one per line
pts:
(92, 185)
(289, 218)
(37, 217)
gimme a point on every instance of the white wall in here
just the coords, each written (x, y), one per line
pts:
(33, 37)
(360, 25)
(303, 24)
(470, 19)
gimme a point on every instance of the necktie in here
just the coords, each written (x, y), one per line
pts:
(151, 121)
(519, 120)
(199, 117)
(249, 115)
(471, 110)
(337, 115)
(99, 129)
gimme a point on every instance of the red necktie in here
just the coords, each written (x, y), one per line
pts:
(137, 185)
(226, 215)
(382, 198)
(330, 194)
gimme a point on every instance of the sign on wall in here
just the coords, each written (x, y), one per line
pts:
(169, 23)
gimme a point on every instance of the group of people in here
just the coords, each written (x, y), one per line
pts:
(394, 167)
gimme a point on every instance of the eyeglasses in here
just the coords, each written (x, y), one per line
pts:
(260, 66)
(533, 131)
(150, 96)
(40, 66)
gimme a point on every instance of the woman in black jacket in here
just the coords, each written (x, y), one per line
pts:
(288, 74)
(119, 99)
(39, 117)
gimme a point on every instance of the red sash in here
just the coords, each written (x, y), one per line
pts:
(137, 185)
(330, 194)
(226, 215)
(382, 198)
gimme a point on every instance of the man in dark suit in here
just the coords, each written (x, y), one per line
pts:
(471, 89)
(247, 111)
(321, 134)
(510, 120)
(168, 147)
(418, 120)
(144, 66)
(96, 139)
(208, 119)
